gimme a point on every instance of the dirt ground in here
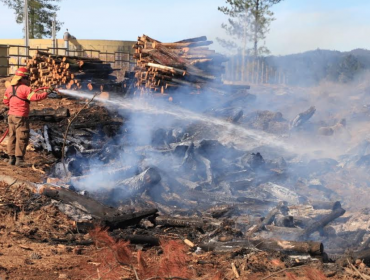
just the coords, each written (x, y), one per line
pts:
(39, 242)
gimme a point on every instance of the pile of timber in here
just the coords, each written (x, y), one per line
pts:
(188, 64)
(73, 72)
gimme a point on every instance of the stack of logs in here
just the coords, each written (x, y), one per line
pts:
(186, 64)
(73, 72)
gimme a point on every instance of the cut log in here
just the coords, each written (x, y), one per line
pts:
(171, 69)
(84, 203)
(186, 63)
(182, 45)
(330, 205)
(192, 40)
(123, 220)
(50, 114)
(179, 222)
(321, 223)
(309, 247)
(107, 216)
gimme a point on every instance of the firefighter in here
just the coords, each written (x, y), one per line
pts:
(18, 97)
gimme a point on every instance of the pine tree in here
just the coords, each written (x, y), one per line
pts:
(249, 21)
(40, 14)
(238, 28)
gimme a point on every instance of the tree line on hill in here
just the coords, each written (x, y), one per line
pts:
(312, 67)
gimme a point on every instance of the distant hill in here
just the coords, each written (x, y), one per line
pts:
(310, 68)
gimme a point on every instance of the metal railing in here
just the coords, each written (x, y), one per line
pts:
(9, 55)
(116, 58)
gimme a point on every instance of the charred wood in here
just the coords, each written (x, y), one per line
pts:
(303, 117)
(284, 221)
(140, 182)
(50, 114)
(330, 205)
(81, 202)
(363, 255)
(365, 245)
(310, 247)
(221, 211)
(139, 239)
(318, 225)
(47, 140)
(121, 220)
(179, 222)
(268, 219)
(97, 124)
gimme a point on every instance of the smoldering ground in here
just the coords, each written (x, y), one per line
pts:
(194, 139)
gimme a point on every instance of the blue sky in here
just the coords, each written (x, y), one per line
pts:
(300, 25)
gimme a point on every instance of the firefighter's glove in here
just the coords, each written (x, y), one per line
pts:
(50, 90)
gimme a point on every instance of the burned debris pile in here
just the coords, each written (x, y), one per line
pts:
(215, 197)
(71, 72)
(187, 65)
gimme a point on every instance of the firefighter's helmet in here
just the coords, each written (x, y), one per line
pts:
(22, 72)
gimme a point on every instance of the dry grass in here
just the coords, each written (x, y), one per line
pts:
(314, 274)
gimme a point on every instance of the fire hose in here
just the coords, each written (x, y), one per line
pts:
(7, 130)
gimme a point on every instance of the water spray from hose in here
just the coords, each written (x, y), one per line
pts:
(238, 134)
